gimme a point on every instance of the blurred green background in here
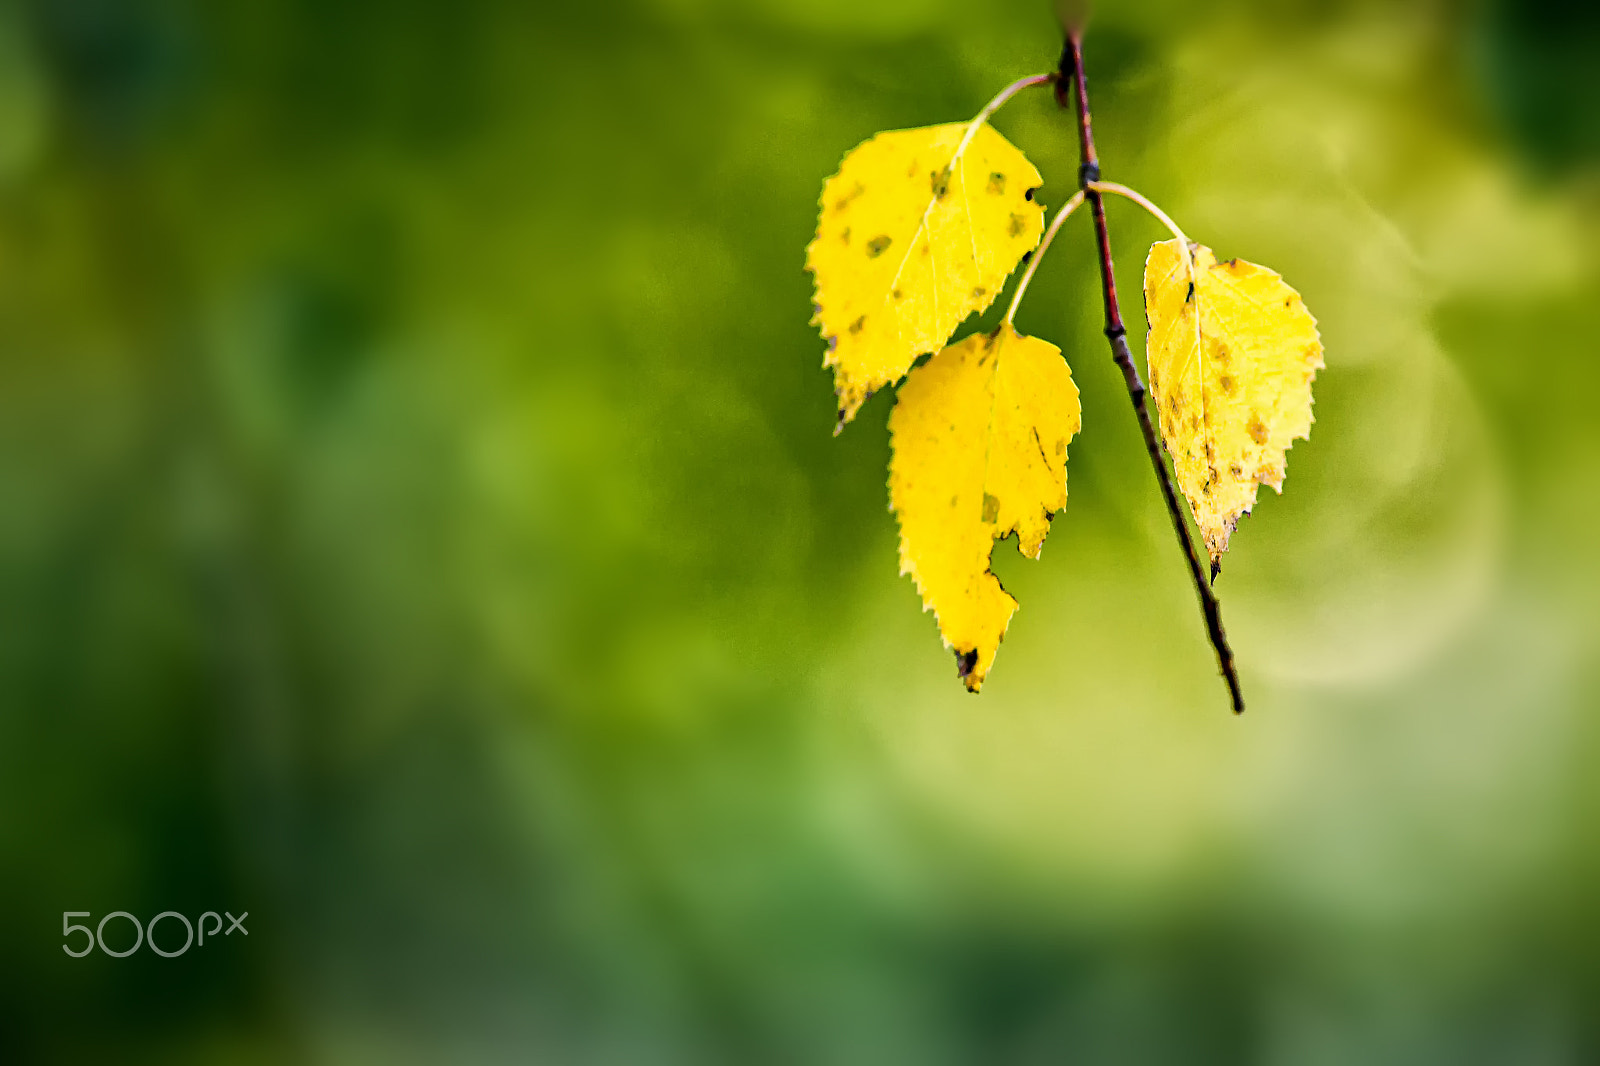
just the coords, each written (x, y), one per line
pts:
(420, 528)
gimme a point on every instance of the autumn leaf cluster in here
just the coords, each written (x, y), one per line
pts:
(918, 231)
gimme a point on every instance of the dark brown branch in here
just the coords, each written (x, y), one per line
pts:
(1070, 76)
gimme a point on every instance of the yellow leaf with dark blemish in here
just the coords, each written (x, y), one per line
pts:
(932, 243)
(1231, 363)
(980, 436)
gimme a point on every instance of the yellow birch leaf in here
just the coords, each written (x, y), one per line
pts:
(910, 241)
(1231, 362)
(980, 436)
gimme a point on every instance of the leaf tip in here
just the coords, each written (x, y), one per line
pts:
(967, 669)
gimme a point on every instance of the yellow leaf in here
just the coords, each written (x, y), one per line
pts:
(908, 245)
(980, 438)
(1231, 362)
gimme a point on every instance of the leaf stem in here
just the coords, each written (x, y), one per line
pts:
(1183, 245)
(994, 105)
(1071, 76)
(1038, 253)
(1136, 197)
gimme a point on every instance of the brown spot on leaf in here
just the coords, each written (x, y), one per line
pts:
(966, 662)
(878, 245)
(939, 180)
(1258, 431)
(897, 294)
(1228, 384)
(991, 508)
(844, 201)
(1236, 470)
(845, 236)
(855, 327)
(979, 292)
(1017, 223)
(997, 183)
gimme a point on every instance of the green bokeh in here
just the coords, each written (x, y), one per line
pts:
(422, 530)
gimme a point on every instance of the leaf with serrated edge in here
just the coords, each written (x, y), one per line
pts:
(1231, 364)
(980, 436)
(908, 246)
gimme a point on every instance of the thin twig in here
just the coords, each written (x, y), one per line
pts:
(1071, 75)
(1038, 253)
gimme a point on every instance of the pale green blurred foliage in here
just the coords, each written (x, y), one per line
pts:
(423, 529)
